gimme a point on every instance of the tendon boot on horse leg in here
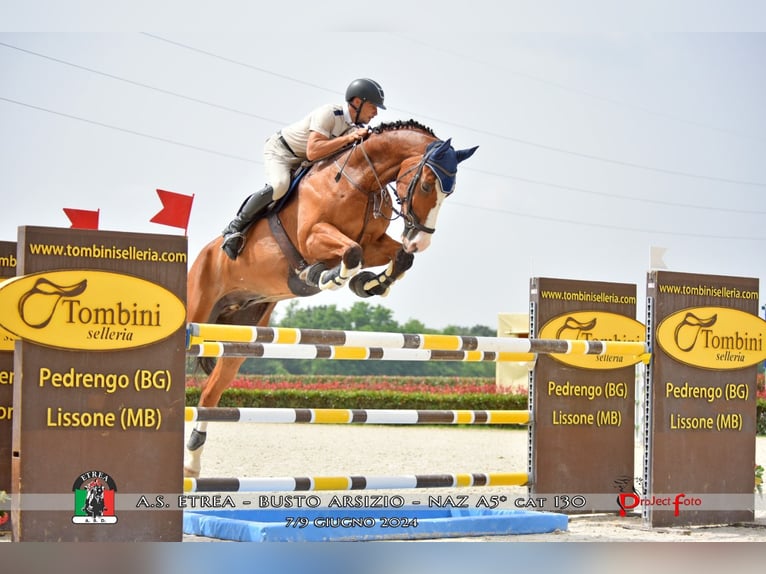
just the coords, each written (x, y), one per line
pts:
(339, 275)
(319, 275)
(220, 378)
(367, 283)
(253, 206)
(196, 442)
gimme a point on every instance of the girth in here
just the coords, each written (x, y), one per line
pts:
(280, 235)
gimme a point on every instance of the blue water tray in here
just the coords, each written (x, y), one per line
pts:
(359, 524)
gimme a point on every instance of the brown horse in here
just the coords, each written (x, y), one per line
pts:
(330, 227)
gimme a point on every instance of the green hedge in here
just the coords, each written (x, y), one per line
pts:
(333, 399)
(295, 398)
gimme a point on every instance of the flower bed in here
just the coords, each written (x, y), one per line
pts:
(435, 385)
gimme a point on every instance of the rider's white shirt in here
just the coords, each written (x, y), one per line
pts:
(329, 120)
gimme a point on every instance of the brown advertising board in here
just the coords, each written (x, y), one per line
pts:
(7, 269)
(99, 384)
(582, 438)
(706, 340)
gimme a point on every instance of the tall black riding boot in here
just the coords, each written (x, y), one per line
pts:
(233, 235)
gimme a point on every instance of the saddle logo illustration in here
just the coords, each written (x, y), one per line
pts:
(595, 326)
(7, 339)
(718, 338)
(89, 310)
(94, 498)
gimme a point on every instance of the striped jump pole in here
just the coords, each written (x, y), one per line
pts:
(308, 483)
(202, 332)
(311, 351)
(356, 416)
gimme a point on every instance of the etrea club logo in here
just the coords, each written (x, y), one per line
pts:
(94, 498)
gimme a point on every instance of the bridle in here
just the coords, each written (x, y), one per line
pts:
(410, 217)
(405, 211)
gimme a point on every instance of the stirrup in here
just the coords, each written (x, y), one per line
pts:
(233, 244)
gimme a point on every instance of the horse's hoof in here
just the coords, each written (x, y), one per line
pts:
(367, 284)
(352, 258)
(312, 274)
(357, 283)
(381, 289)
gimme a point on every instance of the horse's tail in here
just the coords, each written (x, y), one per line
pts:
(206, 364)
(234, 310)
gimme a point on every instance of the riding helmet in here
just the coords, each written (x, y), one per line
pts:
(367, 90)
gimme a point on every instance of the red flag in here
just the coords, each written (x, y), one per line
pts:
(176, 209)
(82, 218)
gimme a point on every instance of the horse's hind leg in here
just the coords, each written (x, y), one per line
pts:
(220, 378)
(222, 375)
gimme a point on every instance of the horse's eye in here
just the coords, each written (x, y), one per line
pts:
(427, 187)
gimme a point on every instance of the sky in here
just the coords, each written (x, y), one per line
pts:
(596, 141)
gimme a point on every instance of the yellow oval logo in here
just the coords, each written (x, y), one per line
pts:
(89, 310)
(718, 338)
(595, 326)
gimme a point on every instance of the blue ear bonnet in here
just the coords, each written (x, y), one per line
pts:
(442, 159)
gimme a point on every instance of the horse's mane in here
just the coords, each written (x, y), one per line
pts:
(379, 129)
(402, 125)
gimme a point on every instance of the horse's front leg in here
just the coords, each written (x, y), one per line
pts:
(385, 250)
(220, 378)
(327, 243)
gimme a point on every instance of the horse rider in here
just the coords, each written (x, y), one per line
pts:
(321, 133)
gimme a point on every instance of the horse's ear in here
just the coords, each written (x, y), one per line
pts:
(440, 148)
(463, 154)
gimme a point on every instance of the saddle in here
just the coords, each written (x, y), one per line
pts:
(295, 179)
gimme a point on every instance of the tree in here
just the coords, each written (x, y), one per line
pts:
(362, 316)
(414, 326)
(475, 331)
